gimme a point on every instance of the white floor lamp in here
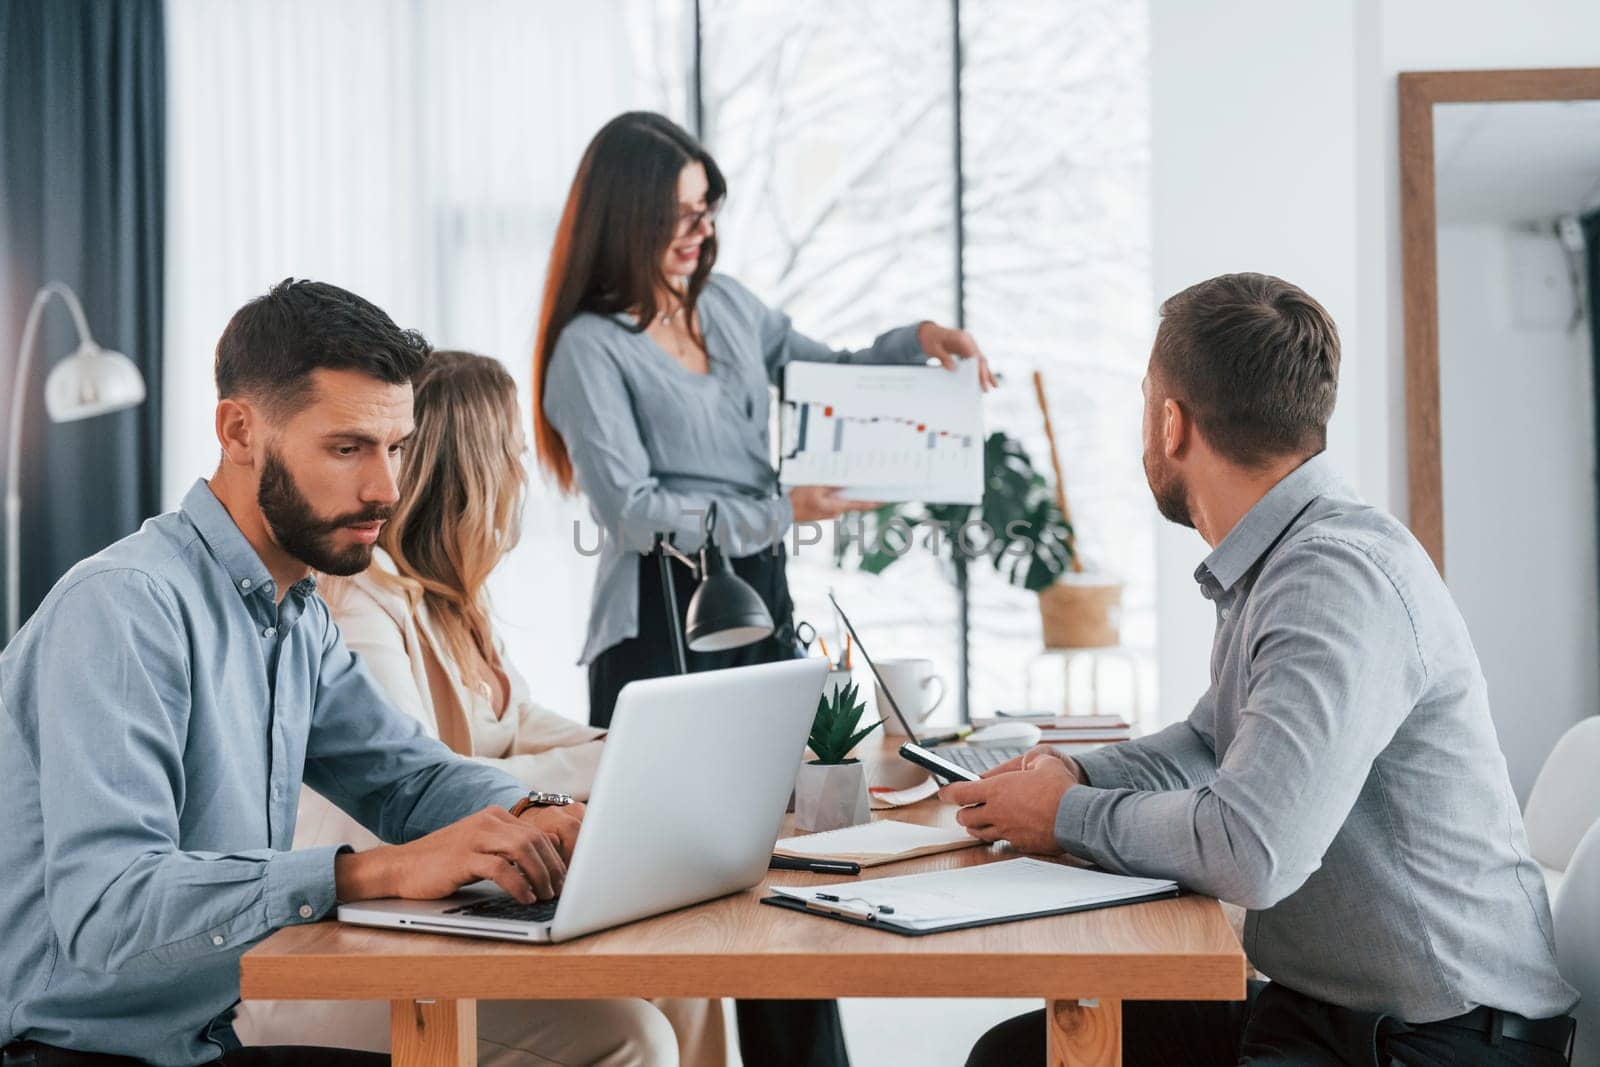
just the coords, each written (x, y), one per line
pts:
(92, 381)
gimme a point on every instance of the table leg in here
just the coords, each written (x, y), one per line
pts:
(433, 1033)
(1081, 1033)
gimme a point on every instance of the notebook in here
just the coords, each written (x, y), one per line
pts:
(934, 901)
(872, 843)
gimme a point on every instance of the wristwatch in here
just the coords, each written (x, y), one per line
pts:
(536, 799)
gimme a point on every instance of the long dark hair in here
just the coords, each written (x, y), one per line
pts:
(621, 215)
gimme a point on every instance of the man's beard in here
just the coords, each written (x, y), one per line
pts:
(1172, 496)
(298, 530)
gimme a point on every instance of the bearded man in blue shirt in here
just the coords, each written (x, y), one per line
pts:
(161, 709)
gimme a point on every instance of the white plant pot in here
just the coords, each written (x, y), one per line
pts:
(828, 796)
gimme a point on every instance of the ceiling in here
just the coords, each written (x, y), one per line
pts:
(1516, 161)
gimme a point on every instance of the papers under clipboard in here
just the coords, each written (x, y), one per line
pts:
(934, 901)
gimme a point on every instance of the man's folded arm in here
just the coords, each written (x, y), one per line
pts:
(379, 765)
(1333, 678)
(121, 893)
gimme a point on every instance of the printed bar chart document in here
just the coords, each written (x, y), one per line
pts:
(891, 434)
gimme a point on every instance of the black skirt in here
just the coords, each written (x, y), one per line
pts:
(649, 655)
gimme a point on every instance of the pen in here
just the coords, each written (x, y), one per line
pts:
(882, 909)
(945, 739)
(791, 863)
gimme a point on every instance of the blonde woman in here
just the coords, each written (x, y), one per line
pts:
(419, 619)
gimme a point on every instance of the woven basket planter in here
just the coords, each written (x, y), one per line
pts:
(1082, 611)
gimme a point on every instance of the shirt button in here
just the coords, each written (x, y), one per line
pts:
(271, 631)
(306, 912)
(1225, 613)
(245, 583)
(216, 939)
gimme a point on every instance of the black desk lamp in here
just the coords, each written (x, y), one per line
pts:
(724, 611)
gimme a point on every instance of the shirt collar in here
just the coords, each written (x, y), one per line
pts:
(1264, 523)
(228, 544)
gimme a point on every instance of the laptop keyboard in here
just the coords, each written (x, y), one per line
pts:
(540, 911)
(980, 758)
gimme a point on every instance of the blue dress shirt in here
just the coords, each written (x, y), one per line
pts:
(157, 717)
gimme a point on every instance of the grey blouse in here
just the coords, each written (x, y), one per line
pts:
(653, 443)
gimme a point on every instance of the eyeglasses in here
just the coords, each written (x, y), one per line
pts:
(690, 221)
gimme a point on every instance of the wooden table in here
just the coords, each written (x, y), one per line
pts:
(1084, 964)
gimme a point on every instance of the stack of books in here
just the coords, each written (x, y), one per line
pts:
(1068, 729)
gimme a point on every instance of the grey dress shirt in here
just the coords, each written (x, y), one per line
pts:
(157, 716)
(1340, 778)
(653, 443)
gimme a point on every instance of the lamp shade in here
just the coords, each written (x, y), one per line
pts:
(724, 612)
(92, 381)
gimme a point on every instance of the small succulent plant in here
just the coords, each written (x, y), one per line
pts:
(833, 731)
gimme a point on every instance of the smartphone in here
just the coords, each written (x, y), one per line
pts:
(941, 767)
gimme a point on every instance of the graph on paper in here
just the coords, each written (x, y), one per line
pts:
(884, 433)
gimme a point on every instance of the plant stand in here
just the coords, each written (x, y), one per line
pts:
(1123, 655)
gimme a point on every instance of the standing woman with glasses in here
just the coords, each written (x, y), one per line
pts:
(651, 379)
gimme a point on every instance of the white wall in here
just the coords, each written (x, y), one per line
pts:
(1517, 419)
(1253, 145)
(1274, 148)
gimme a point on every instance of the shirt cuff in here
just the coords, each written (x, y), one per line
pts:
(300, 885)
(1072, 819)
(900, 345)
(1104, 769)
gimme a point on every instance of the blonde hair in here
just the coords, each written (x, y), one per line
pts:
(462, 484)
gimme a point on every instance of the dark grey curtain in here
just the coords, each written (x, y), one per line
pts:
(82, 125)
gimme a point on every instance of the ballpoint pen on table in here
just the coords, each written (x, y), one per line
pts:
(794, 863)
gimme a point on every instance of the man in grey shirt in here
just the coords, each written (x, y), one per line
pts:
(161, 708)
(1340, 779)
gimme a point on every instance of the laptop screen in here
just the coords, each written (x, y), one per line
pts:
(883, 686)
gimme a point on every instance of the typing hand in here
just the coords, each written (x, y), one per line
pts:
(562, 823)
(1018, 806)
(1032, 756)
(515, 854)
(948, 345)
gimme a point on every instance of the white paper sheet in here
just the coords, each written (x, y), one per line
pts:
(972, 894)
(881, 837)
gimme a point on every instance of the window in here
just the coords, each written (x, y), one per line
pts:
(419, 154)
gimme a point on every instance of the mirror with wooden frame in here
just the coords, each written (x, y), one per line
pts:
(1500, 218)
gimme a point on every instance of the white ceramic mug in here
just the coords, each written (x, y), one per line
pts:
(917, 689)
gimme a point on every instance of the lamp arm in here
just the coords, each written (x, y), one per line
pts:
(69, 298)
(19, 387)
(677, 553)
(669, 600)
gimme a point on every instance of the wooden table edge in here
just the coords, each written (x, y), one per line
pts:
(336, 976)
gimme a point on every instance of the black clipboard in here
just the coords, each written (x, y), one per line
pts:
(888, 924)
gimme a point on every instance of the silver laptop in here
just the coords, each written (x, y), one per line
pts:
(688, 802)
(974, 758)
